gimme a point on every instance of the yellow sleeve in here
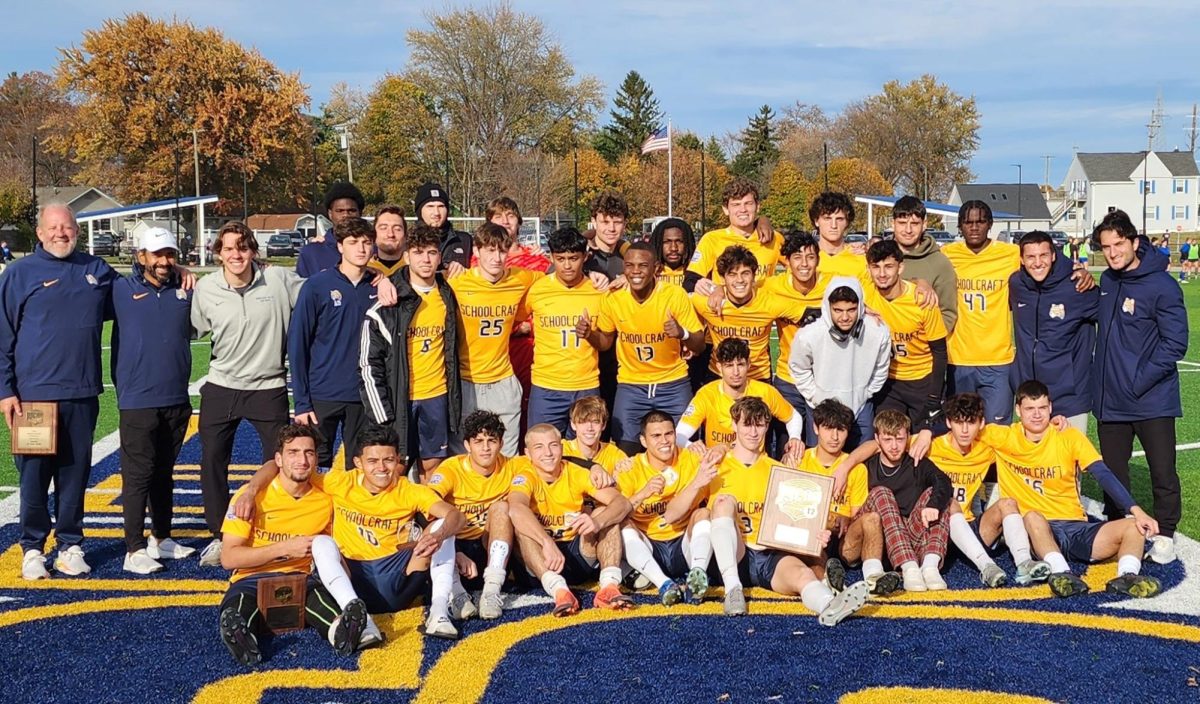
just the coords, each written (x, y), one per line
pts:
(606, 321)
(856, 488)
(703, 259)
(335, 482)
(995, 436)
(778, 405)
(934, 325)
(522, 483)
(1085, 453)
(697, 408)
(234, 525)
(625, 484)
(443, 480)
(684, 312)
(424, 498)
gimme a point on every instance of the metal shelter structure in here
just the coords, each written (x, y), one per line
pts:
(198, 202)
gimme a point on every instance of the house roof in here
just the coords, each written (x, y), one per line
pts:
(1030, 205)
(933, 207)
(274, 221)
(68, 194)
(1117, 166)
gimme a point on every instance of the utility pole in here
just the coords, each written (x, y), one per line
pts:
(1151, 134)
(1048, 158)
(1192, 131)
(1020, 167)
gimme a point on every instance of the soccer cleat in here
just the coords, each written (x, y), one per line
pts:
(347, 629)
(914, 581)
(440, 627)
(33, 567)
(993, 576)
(697, 585)
(565, 603)
(71, 563)
(844, 603)
(835, 574)
(371, 635)
(462, 608)
(610, 597)
(884, 583)
(1140, 586)
(210, 556)
(1031, 571)
(735, 602)
(167, 549)
(1065, 584)
(491, 603)
(241, 641)
(140, 562)
(1162, 550)
(933, 579)
(639, 581)
(670, 594)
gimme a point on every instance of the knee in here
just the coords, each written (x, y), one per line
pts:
(325, 545)
(1033, 518)
(724, 506)
(870, 521)
(700, 514)
(1008, 506)
(498, 511)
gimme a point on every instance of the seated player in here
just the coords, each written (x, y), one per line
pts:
(297, 513)
(477, 484)
(735, 488)
(388, 561)
(561, 543)
(1036, 466)
(710, 407)
(589, 418)
(666, 553)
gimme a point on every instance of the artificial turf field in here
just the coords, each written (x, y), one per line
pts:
(115, 637)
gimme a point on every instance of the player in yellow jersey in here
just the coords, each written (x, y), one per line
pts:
(673, 556)
(409, 357)
(650, 325)
(675, 244)
(832, 214)
(589, 417)
(297, 512)
(489, 296)
(391, 234)
(560, 542)
(745, 311)
(1037, 466)
(739, 202)
(923, 256)
(710, 406)
(735, 489)
(565, 366)
(918, 369)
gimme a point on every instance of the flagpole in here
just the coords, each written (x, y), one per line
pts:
(670, 174)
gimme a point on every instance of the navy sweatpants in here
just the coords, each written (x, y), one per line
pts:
(70, 470)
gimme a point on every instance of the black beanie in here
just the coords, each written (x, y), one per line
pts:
(343, 189)
(428, 192)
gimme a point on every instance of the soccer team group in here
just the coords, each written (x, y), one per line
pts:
(610, 412)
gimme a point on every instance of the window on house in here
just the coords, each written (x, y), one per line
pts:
(1179, 212)
(1152, 212)
(1179, 185)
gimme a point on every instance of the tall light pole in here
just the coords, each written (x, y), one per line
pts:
(343, 131)
(1019, 183)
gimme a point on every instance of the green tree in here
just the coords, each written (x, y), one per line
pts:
(634, 117)
(759, 148)
(786, 203)
(714, 151)
(397, 143)
(854, 177)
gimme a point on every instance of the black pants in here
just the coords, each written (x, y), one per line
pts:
(69, 470)
(150, 442)
(1158, 439)
(908, 397)
(319, 606)
(221, 411)
(608, 385)
(330, 414)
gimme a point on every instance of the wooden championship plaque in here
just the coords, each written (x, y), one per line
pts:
(35, 431)
(795, 511)
(281, 601)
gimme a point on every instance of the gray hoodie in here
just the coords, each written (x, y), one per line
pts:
(850, 367)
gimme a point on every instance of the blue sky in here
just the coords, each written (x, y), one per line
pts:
(1050, 77)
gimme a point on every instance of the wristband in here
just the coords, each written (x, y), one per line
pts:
(685, 336)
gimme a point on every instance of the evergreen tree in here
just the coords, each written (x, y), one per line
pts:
(635, 116)
(759, 148)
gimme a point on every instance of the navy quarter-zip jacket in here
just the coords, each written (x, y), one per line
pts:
(151, 342)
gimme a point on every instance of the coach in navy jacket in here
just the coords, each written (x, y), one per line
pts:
(53, 308)
(1143, 334)
(1055, 328)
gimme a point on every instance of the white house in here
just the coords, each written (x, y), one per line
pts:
(1014, 206)
(1098, 183)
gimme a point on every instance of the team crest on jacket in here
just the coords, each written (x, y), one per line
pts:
(336, 297)
(91, 280)
(1128, 305)
(181, 294)
(1058, 310)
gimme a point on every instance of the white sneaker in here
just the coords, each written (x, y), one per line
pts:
(933, 579)
(491, 603)
(1162, 550)
(440, 627)
(371, 635)
(33, 567)
(210, 556)
(167, 549)
(462, 608)
(140, 562)
(913, 581)
(71, 563)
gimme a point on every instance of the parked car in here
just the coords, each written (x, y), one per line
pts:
(856, 237)
(103, 244)
(1013, 236)
(942, 237)
(296, 238)
(1059, 237)
(280, 246)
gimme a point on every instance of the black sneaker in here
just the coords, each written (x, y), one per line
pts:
(237, 636)
(349, 627)
(835, 574)
(885, 584)
(1065, 584)
(1140, 586)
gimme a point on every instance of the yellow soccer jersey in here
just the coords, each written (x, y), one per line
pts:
(647, 515)
(608, 456)
(278, 516)
(713, 243)
(855, 494)
(561, 360)
(912, 327)
(752, 322)
(646, 354)
(369, 526)
(710, 407)
(748, 486)
(805, 308)
(385, 269)
(427, 348)
(457, 482)
(983, 335)
(555, 503)
(966, 472)
(672, 276)
(1041, 476)
(486, 312)
(844, 263)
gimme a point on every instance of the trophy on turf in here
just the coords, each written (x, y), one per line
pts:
(281, 601)
(795, 510)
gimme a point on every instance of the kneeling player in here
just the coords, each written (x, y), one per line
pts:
(560, 543)
(296, 511)
(666, 552)
(735, 488)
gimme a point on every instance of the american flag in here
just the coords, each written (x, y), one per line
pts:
(656, 142)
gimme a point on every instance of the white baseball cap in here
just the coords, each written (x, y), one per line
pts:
(157, 239)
